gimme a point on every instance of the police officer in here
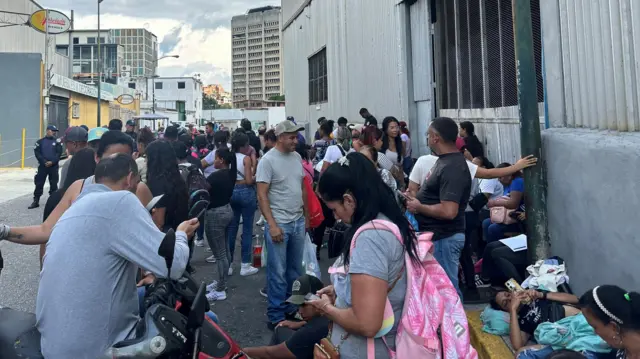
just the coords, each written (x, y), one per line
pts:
(47, 151)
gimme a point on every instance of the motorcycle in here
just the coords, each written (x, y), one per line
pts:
(174, 326)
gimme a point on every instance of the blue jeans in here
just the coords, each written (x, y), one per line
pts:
(496, 231)
(447, 252)
(142, 290)
(244, 203)
(284, 266)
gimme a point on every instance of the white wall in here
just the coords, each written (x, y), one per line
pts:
(366, 58)
(191, 94)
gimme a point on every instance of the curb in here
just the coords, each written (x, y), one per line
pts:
(488, 346)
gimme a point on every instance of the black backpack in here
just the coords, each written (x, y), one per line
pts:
(196, 184)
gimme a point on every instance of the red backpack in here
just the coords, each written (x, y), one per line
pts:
(316, 217)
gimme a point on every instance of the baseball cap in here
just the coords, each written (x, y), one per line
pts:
(76, 134)
(171, 132)
(287, 127)
(52, 128)
(96, 133)
(303, 288)
(131, 123)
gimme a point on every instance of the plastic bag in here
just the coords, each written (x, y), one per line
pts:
(309, 261)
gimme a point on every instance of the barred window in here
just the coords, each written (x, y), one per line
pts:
(477, 53)
(318, 77)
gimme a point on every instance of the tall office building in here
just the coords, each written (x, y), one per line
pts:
(257, 65)
(140, 50)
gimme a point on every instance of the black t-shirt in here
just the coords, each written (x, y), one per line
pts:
(221, 188)
(304, 339)
(52, 202)
(539, 311)
(474, 146)
(449, 180)
(254, 141)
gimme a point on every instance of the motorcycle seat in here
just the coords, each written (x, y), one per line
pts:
(19, 337)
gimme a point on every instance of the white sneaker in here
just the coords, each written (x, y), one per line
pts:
(247, 270)
(211, 259)
(230, 271)
(212, 286)
(214, 296)
(199, 242)
(260, 221)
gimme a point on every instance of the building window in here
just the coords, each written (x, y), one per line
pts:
(132, 85)
(476, 67)
(76, 41)
(75, 110)
(102, 41)
(181, 85)
(318, 77)
(91, 40)
(62, 50)
(158, 85)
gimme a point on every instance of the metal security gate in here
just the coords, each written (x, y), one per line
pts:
(59, 112)
(475, 53)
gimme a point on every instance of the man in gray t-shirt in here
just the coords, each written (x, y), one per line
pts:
(282, 200)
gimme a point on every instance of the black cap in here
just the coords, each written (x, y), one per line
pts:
(76, 134)
(303, 288)
(171, 132)
(131, 123)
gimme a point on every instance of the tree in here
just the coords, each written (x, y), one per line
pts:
(277, 98)
(226, 106)
(209, 103)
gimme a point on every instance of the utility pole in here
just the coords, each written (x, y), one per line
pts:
(99, 69)
(46, 70)
(530, 138)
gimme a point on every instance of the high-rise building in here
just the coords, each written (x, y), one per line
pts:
(126, 53)
(257, 65)
(140, 50)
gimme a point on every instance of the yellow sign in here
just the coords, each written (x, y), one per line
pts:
(55, 23)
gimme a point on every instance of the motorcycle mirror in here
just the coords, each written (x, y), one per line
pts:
(166, 249)
(198, 309)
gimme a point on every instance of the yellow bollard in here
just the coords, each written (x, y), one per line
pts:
(24, 140)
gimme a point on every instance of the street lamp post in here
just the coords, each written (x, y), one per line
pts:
(99, 68)
(153, 80)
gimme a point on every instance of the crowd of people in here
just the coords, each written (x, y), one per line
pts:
(356, 174)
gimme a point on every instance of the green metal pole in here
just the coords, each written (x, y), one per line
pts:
(530, 138)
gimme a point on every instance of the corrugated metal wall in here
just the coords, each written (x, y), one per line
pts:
(600, 43)
(366, 58)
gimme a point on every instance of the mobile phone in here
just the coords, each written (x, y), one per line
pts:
(154, 202)
(309, 297)
(513, 287)
(403, 197)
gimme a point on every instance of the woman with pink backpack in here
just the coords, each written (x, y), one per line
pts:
(389, 298)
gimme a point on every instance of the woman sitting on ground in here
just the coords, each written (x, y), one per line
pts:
(364, 278)
(614, 314)
(512, 199)
(500, 263)
(530, 308)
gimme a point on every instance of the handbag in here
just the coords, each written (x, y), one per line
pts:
(325, 350)
(336, 243)
(502, 215)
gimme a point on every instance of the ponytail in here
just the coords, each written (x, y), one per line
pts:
(229, 159)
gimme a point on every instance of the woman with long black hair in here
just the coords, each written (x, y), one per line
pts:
(163, 178)
(392, 145)
(218, 217)
(364, 279)
(244, 203)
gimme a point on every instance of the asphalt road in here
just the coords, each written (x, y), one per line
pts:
(242, 315)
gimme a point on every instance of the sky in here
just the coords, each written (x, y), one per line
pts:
(197, 30)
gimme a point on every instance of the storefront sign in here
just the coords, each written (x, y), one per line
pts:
(55, 23)
(78, 87)
(125, 99)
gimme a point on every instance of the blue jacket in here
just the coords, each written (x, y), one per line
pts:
(48, 149)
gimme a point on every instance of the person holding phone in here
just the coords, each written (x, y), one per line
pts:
(296, 339)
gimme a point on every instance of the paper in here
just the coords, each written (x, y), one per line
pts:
(517, 243)
(154, 201)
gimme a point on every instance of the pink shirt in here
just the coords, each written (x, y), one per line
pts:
(308, 169)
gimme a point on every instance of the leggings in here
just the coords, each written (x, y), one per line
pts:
(216, 225)
(500, 263)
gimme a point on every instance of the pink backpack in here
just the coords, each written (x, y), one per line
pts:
(431, 304)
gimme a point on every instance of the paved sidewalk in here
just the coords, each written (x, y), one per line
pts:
(15, 183)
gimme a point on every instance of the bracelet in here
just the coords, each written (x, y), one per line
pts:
(4, 231)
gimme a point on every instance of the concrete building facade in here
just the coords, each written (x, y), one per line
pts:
(424, 58)
(180, 98)
(256, 54)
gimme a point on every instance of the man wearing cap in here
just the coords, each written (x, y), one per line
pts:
(295, 340)
(94, 137)
(301, 138)
(282, 199)
(130, 130)
(47, 151)
(75, 139)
